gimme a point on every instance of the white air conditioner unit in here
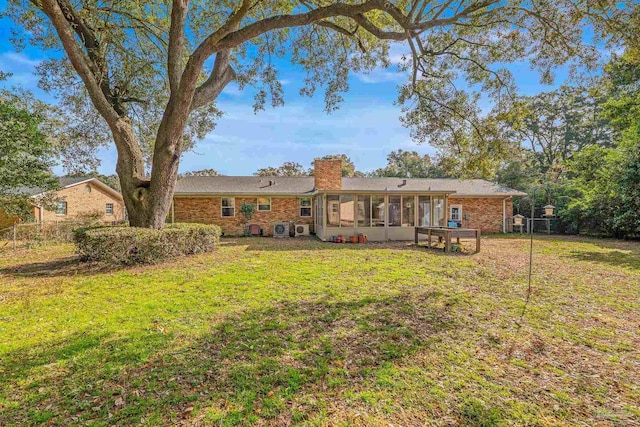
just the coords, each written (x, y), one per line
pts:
(281, 229)
(302, 230)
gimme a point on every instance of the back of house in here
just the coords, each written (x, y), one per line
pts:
(329, 204)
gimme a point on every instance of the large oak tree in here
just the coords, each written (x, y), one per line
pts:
(153, 70)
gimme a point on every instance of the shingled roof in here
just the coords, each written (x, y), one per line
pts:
(65, 182)
(296, 186)
(245, 185)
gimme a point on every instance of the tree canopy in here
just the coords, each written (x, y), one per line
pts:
(348, 166)
(153, 70)
(605, 181)
(286, 169)
(25, 156)
(410, 164)
(202, 172)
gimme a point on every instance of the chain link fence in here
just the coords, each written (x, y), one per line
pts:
(26, 235)
(540, 225)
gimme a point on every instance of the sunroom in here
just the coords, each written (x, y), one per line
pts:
(390, 216)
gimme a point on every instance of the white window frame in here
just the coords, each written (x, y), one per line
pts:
(106, 208)
(459, 207)
(310, 207)
(258, 204)
(58, 208)
(223, 207)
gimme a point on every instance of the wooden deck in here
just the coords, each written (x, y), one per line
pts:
(447, 234)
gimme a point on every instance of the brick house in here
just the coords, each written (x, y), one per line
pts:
(381, 208)
(80, 196)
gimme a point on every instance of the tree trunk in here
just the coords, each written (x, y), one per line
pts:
(148, 201)
(145, 207)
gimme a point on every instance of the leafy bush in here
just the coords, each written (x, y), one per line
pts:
(128, 245)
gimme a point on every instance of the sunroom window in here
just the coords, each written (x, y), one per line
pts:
(395, 213)
(377, 211)
(408, 211)
(333, 210)
(364, 211)
(424, 211)
(346, 210)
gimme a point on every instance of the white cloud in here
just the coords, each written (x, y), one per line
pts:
(382, 75)
(18, 58)
(243, 142)
(22, 69)
(232, 90)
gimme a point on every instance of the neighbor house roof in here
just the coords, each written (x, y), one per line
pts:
(66, 182)
(255, 185)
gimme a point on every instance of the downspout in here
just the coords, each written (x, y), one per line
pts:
(504, 215)
(173, 211)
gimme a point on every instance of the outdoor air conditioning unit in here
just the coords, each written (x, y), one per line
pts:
(302, 230)
(281, 229)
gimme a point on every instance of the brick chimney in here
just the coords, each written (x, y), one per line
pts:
(327, 174)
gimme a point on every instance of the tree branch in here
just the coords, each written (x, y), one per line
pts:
(344, 31)
(82, 63)
(176, 43)
(213, 44)
(221, 75)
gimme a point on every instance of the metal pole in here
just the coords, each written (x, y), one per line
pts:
(533, 206)
(533, 212)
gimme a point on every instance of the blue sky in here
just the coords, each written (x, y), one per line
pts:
(366, 127)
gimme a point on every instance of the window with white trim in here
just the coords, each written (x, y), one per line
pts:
(109, 208)
(61, 208)
(264, 204)
(305, 207)
(228, 207)
(455, 213)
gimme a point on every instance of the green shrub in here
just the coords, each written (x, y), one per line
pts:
(129, 245)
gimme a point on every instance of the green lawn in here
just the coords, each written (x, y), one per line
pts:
(282, 332)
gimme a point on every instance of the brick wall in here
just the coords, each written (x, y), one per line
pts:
(327, 174)
(7, 221)
(207, 210)
(484, 213)
(80, 202)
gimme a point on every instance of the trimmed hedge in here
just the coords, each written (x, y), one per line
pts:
(128, 245)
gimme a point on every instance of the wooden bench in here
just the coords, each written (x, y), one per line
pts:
(447, 234)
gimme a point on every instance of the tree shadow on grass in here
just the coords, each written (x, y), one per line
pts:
(615, 258)
(61, 267)
(279, 364)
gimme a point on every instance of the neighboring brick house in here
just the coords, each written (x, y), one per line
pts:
(381, 208)
(80, 196)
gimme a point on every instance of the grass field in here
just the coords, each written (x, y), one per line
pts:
(297, 332)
